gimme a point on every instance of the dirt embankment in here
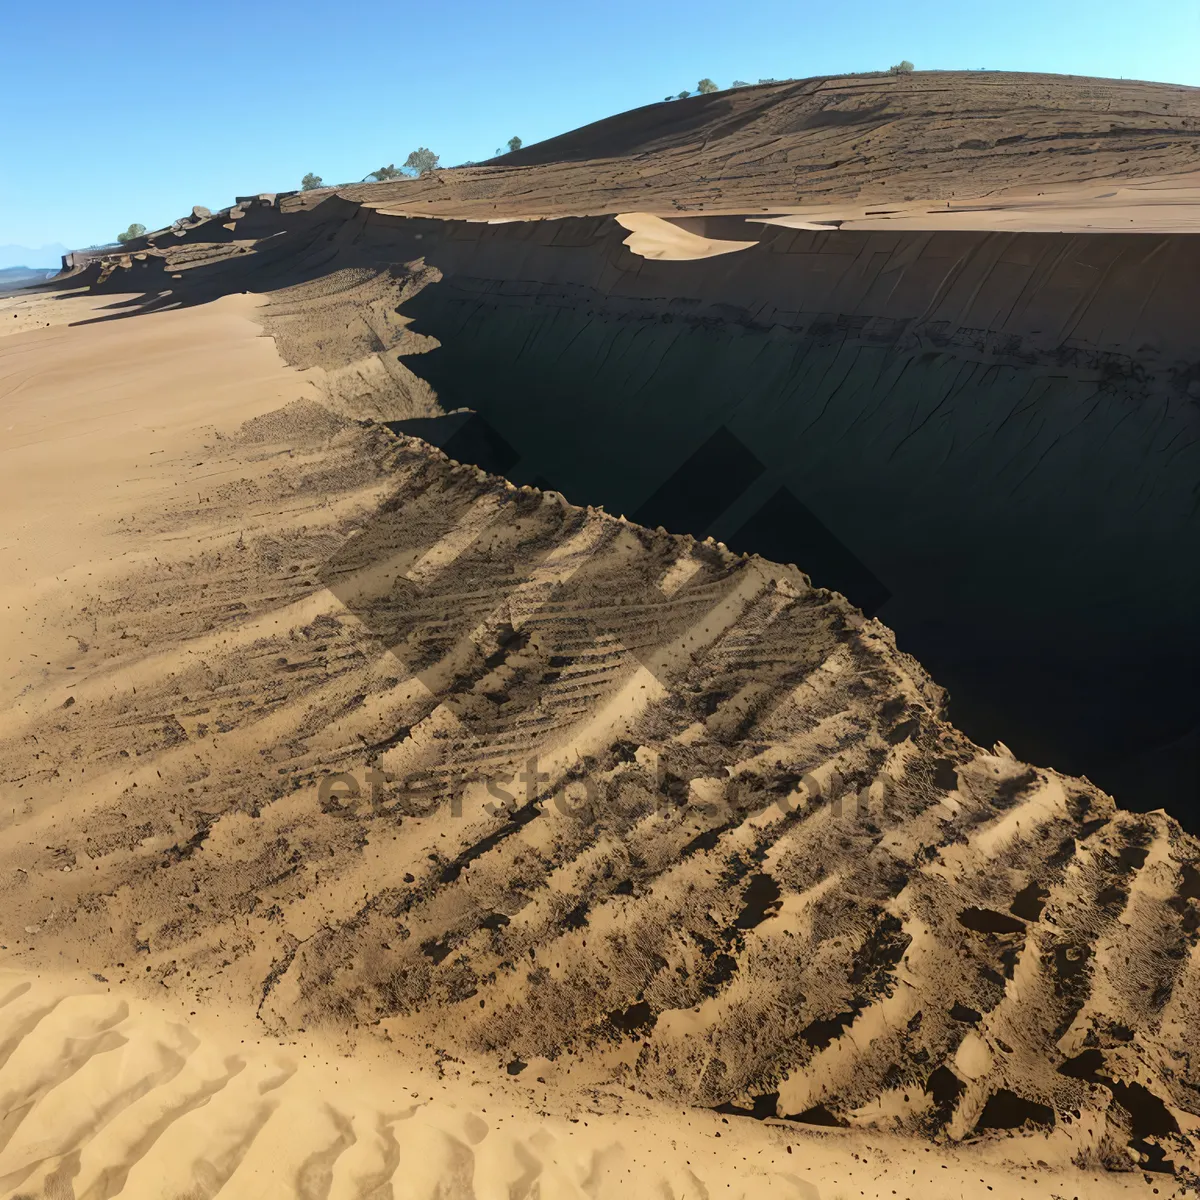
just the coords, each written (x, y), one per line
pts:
(976, 436)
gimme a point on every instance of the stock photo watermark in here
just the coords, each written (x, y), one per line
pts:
(581, 795)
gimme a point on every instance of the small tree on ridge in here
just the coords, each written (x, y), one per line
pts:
(903, 67)
(514, 144)
(309, 182)
(134, 231)
(422, 161)
(705, 86)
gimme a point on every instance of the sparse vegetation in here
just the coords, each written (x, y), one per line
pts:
(309, 182)
(739, 83)
(683, 95)
(391, 171)
(514, 144)
(134, 231)
(422, 161)
(705, 86)
(903, 67)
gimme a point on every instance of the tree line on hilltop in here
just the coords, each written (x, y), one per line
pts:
(420, 162)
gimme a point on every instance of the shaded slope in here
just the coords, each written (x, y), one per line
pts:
(975, 435)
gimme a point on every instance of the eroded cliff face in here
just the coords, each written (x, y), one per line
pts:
(988, 440)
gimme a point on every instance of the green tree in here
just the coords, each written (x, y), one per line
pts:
(422, 161)
(901, 68)
(391, 171)
(309, 182)
(134, 231)
(739, 83)
(683, 95)
(705, 86)
(514, 144)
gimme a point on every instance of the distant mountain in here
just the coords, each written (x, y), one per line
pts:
(13, 279)
(20, 276)
(26, 256)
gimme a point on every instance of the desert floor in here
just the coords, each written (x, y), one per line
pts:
(122, 1085)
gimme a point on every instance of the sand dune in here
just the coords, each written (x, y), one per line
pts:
(935, 950)
(386, 820)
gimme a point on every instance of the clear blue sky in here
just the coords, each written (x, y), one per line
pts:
(111, 113)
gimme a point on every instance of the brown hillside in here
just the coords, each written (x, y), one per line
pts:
(928, 135)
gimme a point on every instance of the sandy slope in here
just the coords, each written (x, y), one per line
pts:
(87, 415)
(224, 590)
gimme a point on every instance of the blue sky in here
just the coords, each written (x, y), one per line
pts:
(134, 112)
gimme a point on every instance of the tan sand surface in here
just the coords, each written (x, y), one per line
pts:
(88, 415)
(1156, 206)
(1169, 204)
(109, 1095)
(39, 310)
